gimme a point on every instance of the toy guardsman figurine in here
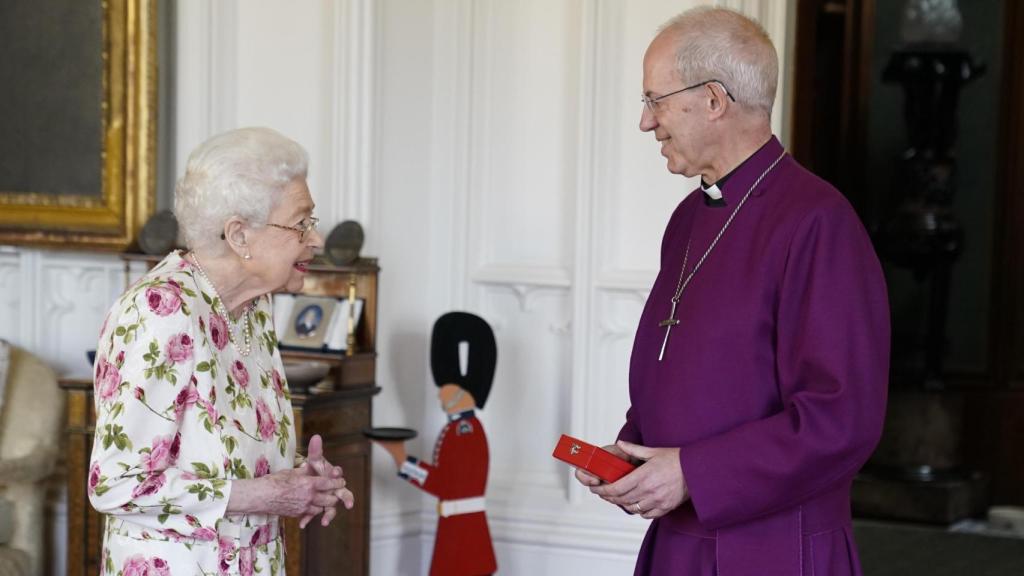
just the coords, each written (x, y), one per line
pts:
(458, 473)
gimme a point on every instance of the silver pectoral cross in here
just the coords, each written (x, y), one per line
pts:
(668, 323)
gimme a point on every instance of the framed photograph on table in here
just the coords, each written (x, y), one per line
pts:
(308, 322)
(319, 323)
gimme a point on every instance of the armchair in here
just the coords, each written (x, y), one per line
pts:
(31, 407)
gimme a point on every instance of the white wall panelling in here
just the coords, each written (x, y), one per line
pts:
(531, 392)
(205, 65)
(17, 300)
(53, 303)
(305, 69)
(352, 87)
(524, 85)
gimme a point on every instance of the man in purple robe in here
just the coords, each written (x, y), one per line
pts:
(759, 370)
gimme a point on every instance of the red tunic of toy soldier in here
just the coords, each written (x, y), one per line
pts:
(458, 477)
(458, 473)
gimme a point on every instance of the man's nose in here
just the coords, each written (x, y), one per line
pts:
(648, 121)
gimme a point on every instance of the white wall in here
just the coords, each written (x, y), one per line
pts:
(490, 149)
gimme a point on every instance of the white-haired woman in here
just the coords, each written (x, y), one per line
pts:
(194, 457)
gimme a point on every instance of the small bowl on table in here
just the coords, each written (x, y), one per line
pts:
(301, 375)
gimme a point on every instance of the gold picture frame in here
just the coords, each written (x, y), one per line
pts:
(108, 218)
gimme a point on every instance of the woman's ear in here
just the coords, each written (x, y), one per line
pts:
(235, 234)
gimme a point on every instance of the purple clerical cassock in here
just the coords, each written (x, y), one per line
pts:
(773, 384)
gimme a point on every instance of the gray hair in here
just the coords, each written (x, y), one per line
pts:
(722, 44)
(238, 173)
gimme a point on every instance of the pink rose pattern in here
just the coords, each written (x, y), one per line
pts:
(246, 561)
(226, 552)
(164, 299)
(163, 455)
(265, 420)
(179, 348)
(205, 534)
(139, 565)
(240, 373)
(218, 331)
(262, 467)
(185, 399)
(94, 477)
(150, 485)
(161, 369)
(278, 382)
(262, 536)
(107, 379)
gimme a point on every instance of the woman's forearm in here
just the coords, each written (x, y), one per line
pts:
(245, 497)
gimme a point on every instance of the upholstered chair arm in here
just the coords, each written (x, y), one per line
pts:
(30, 468)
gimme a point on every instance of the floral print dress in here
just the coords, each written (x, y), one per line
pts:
(180, 413)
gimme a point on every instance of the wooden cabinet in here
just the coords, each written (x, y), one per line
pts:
(338, 416)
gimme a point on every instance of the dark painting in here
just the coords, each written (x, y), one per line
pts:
(51, 97)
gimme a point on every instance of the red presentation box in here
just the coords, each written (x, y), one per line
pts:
(597, 461)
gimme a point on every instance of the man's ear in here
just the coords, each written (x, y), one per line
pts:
(717, 101)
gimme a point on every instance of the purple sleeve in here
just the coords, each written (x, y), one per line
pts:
(832, 351)
(629, 431)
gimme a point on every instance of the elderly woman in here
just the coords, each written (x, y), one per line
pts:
(194, 459)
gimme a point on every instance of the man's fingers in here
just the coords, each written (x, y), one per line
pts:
(628, 494)
(621, 486)
(656, 513)
(586, 478)
(305, 520)
(629, 498)
(635, 450)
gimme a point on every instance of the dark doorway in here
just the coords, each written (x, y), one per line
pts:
(849, 127)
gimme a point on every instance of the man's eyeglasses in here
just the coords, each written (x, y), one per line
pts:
(302, 229)
(650, 102)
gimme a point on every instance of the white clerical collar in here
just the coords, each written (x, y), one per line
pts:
(712, 191)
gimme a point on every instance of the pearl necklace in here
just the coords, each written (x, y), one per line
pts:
(218, 302)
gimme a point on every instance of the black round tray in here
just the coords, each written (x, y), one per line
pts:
(389, 434)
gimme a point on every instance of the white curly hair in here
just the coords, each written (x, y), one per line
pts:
(238, 173)
(724, 45)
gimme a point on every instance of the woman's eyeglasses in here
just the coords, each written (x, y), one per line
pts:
(302, 229)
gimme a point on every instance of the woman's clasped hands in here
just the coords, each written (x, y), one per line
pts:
(315, 487)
